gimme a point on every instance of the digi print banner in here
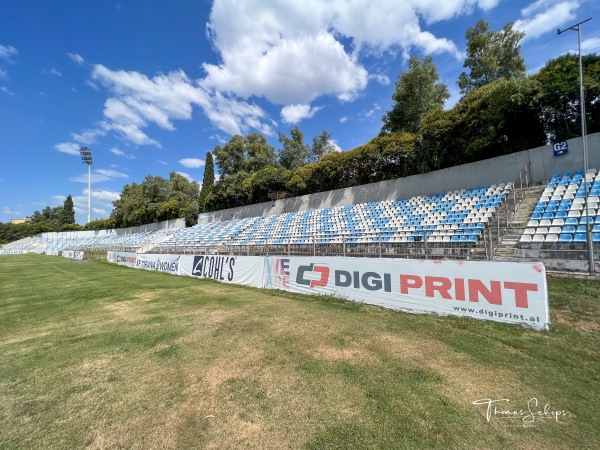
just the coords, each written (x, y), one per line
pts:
(122, 258)
(499, 291)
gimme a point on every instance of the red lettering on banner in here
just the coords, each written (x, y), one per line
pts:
(492, 295)
(521, 292)
(410, 282)
(459, 289)
(440, 284)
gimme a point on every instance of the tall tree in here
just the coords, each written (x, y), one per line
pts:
(259, 153)
(295, 153)
(208, 181)
(491, 55)
(249, 154)
(497, 119)
(156, 199)
(231, 157)
(321, 146)
(560, 98)
(417, 93)
(68, 212)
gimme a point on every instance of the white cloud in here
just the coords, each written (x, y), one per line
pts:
(294, 52)
(336, 148)
(88, 136)
(6, 90)
(68, 147)
(7, 52)
(376, 108)
(78, 59)
(107, 196)
(380, 78)
(344, 119)
(111, 173)
(138, 101)
(186, 175)
(591, 45)
(99, 175)
(164, 163)
(55, 72)
(120, 152)
(101, 202)
(543, 16)
(192, 163)
(296, 113)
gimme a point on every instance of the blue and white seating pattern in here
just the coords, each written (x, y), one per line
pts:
(562, 212)
(457, 216)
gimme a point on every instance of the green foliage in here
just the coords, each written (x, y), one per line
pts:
(491, 55)
(264, 184)
(228, 192)
(249, 154)
(417, 93)
(208, 182)
(156, 199)
(496, 119)
(100, 224)
(295, 153)
(321, 146)
(559, 95)
(70, 227)
(52, 215)
(67, 216)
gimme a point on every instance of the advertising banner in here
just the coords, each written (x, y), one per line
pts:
(122, 258)
(245, 270)
(72, 254)
(500, 291)
(158, 263)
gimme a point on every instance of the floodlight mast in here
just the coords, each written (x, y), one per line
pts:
(588, 234)
(86, 158)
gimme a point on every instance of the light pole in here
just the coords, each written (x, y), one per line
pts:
(588, 234)
(86, 158)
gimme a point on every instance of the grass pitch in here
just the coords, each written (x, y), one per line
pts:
(96, 356)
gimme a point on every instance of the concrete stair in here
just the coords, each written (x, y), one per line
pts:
(511, 234)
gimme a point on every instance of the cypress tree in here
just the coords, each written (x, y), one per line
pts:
(208, 181)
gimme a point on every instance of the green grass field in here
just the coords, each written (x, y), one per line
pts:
(94, 355)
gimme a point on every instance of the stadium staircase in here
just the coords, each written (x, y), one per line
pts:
(510, 235)
(149, 246)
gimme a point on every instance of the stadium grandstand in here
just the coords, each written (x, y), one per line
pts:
(520, 218)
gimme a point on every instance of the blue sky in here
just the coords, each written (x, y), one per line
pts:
(151, 86)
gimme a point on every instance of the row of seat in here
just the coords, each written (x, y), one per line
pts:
(567, 206)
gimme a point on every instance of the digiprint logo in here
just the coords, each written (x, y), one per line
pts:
(304, 279)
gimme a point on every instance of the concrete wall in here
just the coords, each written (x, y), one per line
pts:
(541, 164)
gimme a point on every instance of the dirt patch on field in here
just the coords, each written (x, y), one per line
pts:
(127, 310)
(354, 353)
(467, 380)
(580, 323)
(238, 365)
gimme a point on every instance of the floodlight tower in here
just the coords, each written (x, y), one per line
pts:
(588, 233)
(86, 158)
